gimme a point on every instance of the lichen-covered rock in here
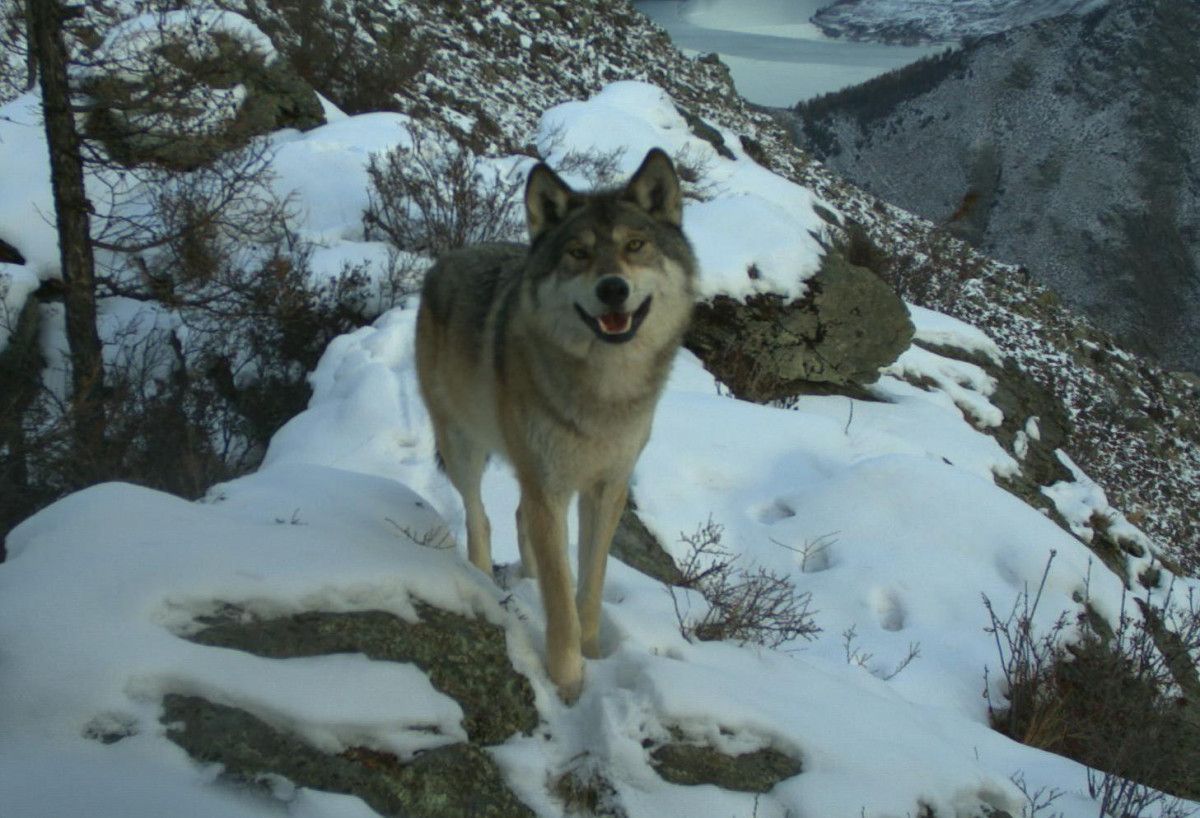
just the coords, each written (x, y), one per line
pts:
(848, 325)
(456, 781)
(690, 764)
(180, 96)
(465, 658)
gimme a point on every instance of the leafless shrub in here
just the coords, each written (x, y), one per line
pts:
(602, 169)
(747, 606)
(198, 380)
(857, 656)
(599, 169)
(1040, 799)
(1111, 698)
(438, 538)
(694, 174)
(1122, 798)
(814, 553)
(433, 195)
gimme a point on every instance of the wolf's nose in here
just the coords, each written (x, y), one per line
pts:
(612, 291)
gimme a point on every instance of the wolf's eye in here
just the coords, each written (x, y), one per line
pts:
(578, 253)
(633, 245)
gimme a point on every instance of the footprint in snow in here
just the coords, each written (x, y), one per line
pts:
(889, 608)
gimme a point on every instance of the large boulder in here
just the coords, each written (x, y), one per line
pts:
(835, 338)
(181, 91)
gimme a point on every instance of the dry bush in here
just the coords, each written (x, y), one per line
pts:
(434, 195)
(1120, 700)
(745, 605)
(232, 321)
(354, 53)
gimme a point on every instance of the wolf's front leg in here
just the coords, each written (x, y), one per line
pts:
(600, 507)
(544, 517)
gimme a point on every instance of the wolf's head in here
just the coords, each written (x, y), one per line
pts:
(610, 266)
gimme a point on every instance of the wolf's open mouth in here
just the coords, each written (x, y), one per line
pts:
(616, 327)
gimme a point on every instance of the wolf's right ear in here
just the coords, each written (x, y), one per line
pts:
(547, 200)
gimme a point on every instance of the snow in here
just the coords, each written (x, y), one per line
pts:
(130, 40)
(26, 206)
(885, 511)
(774, 217)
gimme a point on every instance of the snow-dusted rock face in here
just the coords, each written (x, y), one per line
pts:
(938, 21)
(179, 89)
(1071, 147)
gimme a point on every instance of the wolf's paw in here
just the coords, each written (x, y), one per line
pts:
(569, 693)
(567, 676)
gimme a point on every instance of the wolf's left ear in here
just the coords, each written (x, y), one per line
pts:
(655, 188)
(547, 200)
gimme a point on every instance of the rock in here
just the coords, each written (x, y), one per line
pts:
(467, 659)
(634, 545)
(848, 325)
(195, 95)
(691, 764)
(10, 254)
(706, 132)
(456, 781)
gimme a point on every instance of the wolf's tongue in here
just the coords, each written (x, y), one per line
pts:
(615, 322)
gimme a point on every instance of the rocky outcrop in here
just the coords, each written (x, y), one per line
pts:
(200, 90)
(690, 764)
(464, 658)
(837, 336)
(10, 254)
(447, 782)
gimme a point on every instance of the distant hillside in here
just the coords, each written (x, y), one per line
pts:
(1071, 147)
(938, 21)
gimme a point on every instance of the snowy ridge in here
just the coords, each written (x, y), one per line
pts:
(885, 511)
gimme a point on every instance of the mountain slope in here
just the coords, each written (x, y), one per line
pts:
(485, 71)
(1071, 147)
(937, 21)
(894, 508)
(1142, 446)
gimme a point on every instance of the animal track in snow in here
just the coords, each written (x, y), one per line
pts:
(773, 512)
(888, 607)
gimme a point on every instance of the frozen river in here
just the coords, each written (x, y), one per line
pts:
(775, 55)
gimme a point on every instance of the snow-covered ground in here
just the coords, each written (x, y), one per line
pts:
(776, 56)
(886, 511)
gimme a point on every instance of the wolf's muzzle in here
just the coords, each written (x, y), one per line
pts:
(612, 291)
(616, 327)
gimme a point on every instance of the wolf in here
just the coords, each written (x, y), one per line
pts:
(553, 355)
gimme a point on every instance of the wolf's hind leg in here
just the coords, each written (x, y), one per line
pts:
(464, 461)
(600, 508)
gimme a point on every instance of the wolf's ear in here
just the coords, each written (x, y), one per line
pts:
(655, 188)
(547, 200)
